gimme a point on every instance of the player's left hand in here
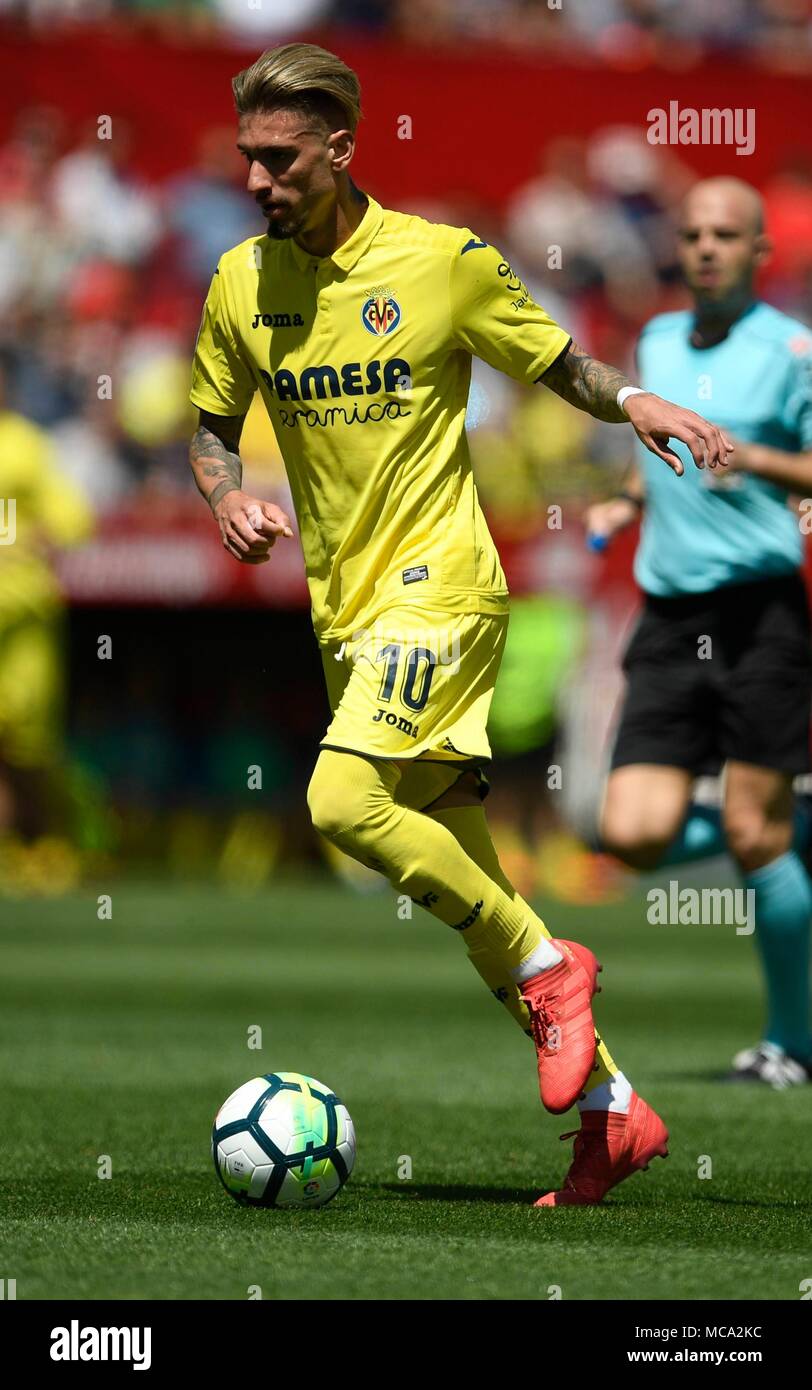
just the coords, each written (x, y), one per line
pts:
(655, 421)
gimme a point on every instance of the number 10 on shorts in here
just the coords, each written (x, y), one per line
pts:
(417, 672)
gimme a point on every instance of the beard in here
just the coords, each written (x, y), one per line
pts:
(283, 229)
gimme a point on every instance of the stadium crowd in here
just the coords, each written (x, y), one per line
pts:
(102, 277)
(780, 29)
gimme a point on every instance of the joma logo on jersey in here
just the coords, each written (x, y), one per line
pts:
(404, 725)
(351, 379)
(277, 321)
(380, 315)
(514, 284)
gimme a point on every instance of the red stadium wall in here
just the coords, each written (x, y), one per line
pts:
(479, 117)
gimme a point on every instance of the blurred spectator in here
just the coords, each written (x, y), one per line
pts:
(103, 209)
(568, 230)
(269, 20)
(87, 446)
(778, 28)
(207, 208)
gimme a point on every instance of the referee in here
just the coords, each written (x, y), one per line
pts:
(719, 667)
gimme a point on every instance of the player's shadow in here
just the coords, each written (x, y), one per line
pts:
(703, 1074)
(764, 1204)
(454, 1192)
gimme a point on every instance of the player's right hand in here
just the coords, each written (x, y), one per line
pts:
(249, 527)
(655, 421)
(605, 519)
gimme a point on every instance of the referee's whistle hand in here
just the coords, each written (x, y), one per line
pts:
(605, 519)
(656, 421)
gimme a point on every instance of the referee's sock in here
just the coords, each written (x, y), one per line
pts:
(783, 909)
(702, 835)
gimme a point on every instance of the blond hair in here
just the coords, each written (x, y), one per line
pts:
(304, 76)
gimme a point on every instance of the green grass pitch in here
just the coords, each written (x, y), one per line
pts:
(123, 1037)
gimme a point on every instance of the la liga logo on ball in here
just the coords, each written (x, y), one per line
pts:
(380, 313)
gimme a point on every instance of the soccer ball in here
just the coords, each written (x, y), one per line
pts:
(283, 1140)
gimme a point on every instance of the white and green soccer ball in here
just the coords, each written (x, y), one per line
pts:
(283, 1140)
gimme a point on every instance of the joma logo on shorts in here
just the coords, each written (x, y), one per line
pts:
(404, 725)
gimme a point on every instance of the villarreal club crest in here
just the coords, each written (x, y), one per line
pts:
(381, 312)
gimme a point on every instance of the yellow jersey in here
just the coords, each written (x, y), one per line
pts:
(363, 360)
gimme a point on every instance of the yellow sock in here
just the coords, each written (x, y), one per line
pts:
(469, 827)
(351, 800)
(605, 1067)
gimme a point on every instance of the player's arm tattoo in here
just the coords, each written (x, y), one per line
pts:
(587, 384)
(214, 455)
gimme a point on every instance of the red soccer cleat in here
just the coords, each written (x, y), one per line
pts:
(559, 1001)
(608, 1148)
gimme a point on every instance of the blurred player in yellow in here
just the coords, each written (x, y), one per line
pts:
(40, 509)
(357, 325)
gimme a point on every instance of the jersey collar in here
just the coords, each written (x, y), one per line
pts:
(353, 248)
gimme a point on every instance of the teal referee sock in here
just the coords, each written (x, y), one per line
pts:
(783, 908)
(702, 835)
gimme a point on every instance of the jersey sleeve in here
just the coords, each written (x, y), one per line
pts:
(494, 317)
(222, 380)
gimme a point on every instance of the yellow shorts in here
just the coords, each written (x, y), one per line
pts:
(416, 684)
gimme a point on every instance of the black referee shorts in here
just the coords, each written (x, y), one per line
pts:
(718, 676)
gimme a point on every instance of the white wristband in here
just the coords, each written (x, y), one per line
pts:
(626, 391)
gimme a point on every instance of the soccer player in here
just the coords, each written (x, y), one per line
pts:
(41, 510)
(719, 557)
(357, 325)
